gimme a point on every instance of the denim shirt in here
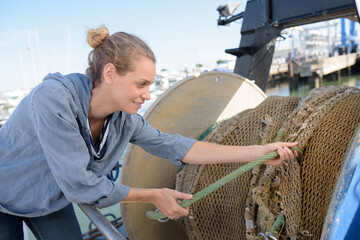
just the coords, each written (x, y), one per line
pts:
(45, 150)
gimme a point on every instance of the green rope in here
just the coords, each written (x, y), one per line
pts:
(206, 191)
(208, 130)
(279, 222)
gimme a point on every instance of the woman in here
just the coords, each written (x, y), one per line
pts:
(69, 132)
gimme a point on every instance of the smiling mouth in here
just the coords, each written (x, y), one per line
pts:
(138, 104)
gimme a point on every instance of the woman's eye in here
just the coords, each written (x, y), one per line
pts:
(142, 84)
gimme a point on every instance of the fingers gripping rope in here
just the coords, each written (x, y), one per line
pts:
(206, 191)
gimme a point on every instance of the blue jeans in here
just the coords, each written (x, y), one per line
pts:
(60, 225)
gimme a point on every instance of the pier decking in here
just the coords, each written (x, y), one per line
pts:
(314, 68)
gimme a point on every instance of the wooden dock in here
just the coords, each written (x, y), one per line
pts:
(314, 68)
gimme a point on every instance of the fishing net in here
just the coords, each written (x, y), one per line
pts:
(300, 191)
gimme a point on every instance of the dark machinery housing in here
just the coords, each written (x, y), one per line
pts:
(263, 20)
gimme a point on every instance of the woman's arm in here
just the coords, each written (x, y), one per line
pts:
(210, 153)
(164, 199)
(207, 153)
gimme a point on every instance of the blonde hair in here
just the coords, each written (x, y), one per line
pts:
(120, 49)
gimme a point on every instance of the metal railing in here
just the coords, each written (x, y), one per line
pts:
(101, 223)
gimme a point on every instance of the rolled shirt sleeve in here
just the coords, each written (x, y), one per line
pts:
(168, 146)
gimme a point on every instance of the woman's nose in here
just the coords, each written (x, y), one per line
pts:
(146, 94)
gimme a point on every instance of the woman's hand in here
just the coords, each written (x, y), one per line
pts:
(167, 201)
(282, 149)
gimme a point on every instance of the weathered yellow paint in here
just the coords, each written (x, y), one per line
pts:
(188, 108)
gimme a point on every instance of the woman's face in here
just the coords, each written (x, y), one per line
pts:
(131, 90)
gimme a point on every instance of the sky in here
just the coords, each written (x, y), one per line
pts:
(38, 37)
(41, 37)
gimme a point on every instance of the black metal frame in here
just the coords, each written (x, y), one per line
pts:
(263, 20)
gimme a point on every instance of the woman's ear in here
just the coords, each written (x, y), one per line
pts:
(109, 73)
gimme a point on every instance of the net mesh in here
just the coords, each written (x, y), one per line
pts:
(322, 123)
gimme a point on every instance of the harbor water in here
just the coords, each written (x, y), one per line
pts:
(302, 87)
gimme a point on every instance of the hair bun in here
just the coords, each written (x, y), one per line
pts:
(95, 37)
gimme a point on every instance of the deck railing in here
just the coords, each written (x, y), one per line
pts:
(101, 223)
